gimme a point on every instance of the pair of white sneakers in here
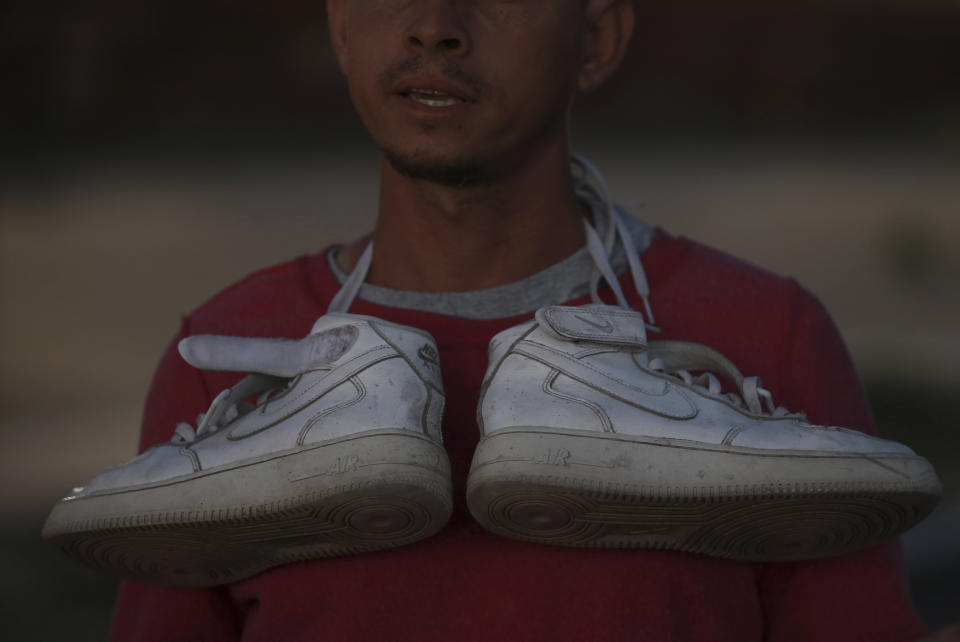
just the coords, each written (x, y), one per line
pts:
(591, 435)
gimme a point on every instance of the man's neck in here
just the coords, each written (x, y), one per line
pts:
(437, 238)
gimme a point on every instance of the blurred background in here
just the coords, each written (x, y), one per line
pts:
(153, 153)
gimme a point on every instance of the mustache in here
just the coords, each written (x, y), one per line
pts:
(416, 65)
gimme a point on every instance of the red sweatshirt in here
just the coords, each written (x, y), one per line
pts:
(467, 585)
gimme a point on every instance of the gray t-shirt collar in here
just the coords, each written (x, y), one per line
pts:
(560, 282)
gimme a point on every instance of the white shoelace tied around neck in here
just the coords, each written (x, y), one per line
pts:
(592, 188)
(343, 299)
(589, 187)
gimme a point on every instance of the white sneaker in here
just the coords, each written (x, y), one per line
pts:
(593, 437)
(346, 457)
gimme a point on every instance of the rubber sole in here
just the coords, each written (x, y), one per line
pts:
(608, 491)
(355, 495)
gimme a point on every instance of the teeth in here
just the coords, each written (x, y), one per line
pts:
(433, 98)
(434, 102)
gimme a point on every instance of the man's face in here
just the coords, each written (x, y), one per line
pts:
(460, 91)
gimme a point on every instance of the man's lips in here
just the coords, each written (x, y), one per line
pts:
(433, 92)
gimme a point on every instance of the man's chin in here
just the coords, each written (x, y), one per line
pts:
(447, 172)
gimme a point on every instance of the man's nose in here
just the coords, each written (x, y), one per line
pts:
(438, 25)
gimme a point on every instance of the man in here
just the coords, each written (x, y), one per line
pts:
(479, 225)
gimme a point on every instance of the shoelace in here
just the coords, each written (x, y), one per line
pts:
(230, 404)
(348, 291)
(678, 358)
(591, 187)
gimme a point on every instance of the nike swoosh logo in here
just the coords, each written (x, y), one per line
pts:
(299, 397)
(428, 355)
(667, 400)
(606, 326)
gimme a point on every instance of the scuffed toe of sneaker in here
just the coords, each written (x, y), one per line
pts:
(799, 436)
(157, 464)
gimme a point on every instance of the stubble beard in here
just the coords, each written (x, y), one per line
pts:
(421, 166)
(473, 168)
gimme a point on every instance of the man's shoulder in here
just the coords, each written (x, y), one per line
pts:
(282, 299)
(677, 256)
(715, 273)
(711, 296)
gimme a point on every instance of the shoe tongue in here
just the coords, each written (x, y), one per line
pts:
(598, 324)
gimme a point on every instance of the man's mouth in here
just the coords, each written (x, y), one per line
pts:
(432, 97)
